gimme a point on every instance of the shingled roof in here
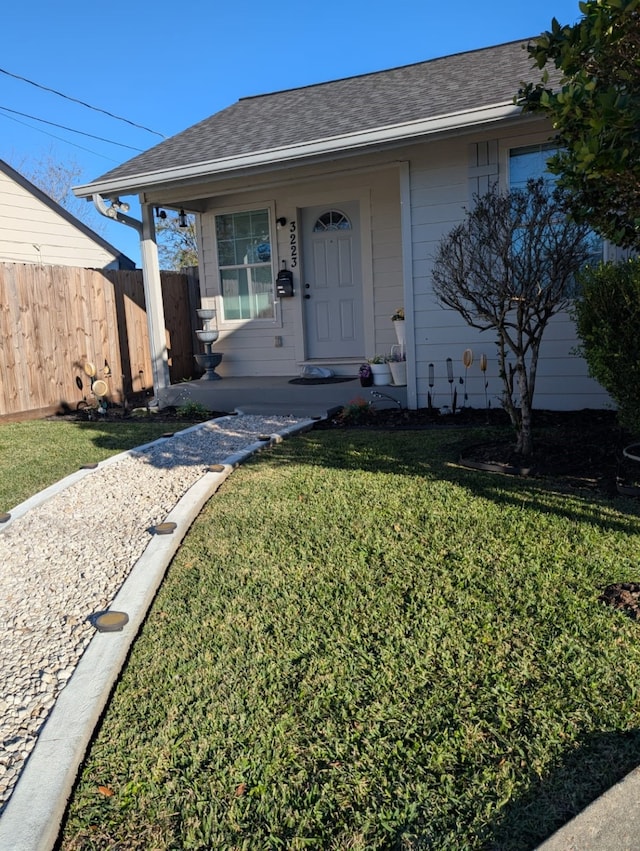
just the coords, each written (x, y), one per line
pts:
(454, 84)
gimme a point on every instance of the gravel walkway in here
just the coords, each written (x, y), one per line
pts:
(66, 559)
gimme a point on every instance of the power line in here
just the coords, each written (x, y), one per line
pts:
(81, 102)
(70, 129)
(59, 138)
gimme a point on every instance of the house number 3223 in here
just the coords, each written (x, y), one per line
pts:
(293, 244)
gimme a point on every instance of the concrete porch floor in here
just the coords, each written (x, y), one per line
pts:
(274, 395)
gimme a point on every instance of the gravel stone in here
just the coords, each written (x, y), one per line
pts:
(67, 559)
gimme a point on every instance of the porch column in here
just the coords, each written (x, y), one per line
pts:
(153, 301)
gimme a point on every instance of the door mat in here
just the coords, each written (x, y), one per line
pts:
(335, 379)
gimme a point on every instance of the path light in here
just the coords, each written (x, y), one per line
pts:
(111, 621)
(167, 528)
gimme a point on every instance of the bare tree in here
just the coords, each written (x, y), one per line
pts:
(177, 246)
(509, 267)
(55, 178)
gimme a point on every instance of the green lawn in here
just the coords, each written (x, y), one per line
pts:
(37, 453)
(362, 646)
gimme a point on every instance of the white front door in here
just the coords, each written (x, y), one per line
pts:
(332, 281)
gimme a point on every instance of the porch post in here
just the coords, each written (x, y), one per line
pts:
(153, 301)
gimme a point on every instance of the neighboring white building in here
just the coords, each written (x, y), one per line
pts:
(35, 229)
(350, 185)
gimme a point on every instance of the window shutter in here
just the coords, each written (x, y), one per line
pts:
(483, 167)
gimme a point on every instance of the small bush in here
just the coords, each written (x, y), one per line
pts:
(357, 410)
(607, 316)
(193, 411)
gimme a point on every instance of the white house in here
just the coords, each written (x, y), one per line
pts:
(349, 185)
(35, 229)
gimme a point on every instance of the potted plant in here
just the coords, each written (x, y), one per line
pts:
(366, 376)
(398, 366)
(398, 324)
(380, 369)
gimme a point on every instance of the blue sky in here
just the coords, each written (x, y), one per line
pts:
(166, 65)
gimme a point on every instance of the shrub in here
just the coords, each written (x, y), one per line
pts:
(356, 411)
(607, 316)
(193, 411)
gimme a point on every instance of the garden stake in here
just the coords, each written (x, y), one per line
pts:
(431, 383)
(467, 360)
(483, 369)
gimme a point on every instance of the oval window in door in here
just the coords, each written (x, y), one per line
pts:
(332, 220)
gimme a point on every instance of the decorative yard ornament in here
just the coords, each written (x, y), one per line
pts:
(467, 360)
(100, 388)
(432, 381)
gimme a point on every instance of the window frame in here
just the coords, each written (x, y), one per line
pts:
(274, 319)
(515, 146)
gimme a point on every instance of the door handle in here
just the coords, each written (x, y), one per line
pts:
(307, 295)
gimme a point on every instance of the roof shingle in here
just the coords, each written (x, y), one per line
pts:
(425, 90)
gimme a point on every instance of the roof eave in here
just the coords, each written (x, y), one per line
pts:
(318, 147)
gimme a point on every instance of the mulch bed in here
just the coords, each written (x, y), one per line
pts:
(571, 448)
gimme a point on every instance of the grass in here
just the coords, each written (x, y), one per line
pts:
(37, 453)
(361, 646)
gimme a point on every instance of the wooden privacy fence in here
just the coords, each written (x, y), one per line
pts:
(55, 319)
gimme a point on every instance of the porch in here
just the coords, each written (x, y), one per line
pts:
(276, 395)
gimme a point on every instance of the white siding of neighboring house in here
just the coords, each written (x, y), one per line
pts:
(33, 232)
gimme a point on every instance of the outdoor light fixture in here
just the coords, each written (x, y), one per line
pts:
(182, 220)
(167, 528)
(160, 214)
(117, 206)
(110, 621)
(281, 222)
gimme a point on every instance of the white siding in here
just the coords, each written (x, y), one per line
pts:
(33, 232)
(251, 349)
(443, 177)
